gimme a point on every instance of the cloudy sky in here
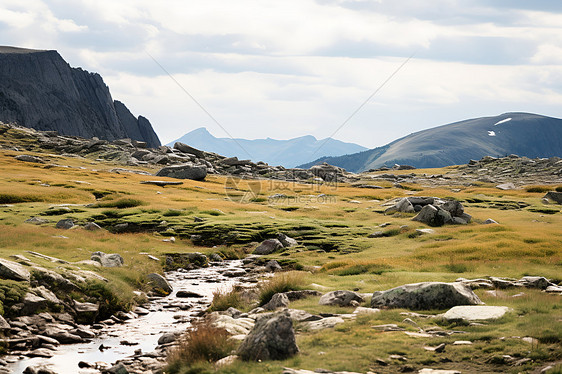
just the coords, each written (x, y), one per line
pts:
(290, 68)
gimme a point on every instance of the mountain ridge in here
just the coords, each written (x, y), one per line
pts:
(524, 134)
(288, 153)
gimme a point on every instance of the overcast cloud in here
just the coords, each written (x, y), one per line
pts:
(290, 68)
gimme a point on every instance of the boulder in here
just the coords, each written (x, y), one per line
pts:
(186, 293)
(341, 298)
(279, 300)
(30, 158)
(506, 186)
(186, 171)
(323, 324)
(92, 226)
(403, 205)
(433, 216)
(184, 148)
(272, 338)
(475, 312)
(46, 294)
(268, 246)
(490, 221)
(86, 312)
(13, 270)
(286, 241)
(159, 283)
(39, 369)
(32, 304)
(273, 266)
(554, 196)
(65, 224)
(108, 260)
(535, 282)
(425, 296)
(37, 221)
(166, 338)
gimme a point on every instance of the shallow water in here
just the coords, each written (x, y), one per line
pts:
(165, 316)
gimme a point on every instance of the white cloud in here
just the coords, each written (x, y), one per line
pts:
(289, 68)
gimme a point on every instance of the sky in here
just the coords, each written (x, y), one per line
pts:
(290, 68)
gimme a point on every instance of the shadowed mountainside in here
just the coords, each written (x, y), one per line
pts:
(524, 134)
(38, 89)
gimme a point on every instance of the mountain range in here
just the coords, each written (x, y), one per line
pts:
(38, 89)
(287, 153)
(524, 134)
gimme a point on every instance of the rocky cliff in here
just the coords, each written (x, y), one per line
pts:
(38, 89)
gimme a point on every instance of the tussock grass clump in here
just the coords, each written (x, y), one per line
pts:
(538, 189)
(203, 343)
(11, 292)
(223, 299)
(353, 267)
(8, 198)
(120, 204)
(281, 282)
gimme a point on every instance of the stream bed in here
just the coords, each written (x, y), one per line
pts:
(167, 314)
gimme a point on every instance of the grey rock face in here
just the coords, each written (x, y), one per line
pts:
(425, 296)
(29, 158)
(92, 226)
(13, 270)
(37, 220)
(271, 338)
(340, 298)
(108, 260)
(187, 171)
(268, 246)
(38, 89)
(187, 149)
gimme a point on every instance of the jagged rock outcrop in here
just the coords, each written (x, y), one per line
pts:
(38, 89)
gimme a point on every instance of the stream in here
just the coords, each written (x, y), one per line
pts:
(167, 314)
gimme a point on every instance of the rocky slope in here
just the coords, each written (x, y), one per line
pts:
(524, 134)
(288, 153)
(38, 89)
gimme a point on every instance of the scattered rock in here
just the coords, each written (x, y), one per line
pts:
(108, 260)
(475, 312)
(506, 186)
(65, 224)
(273, 266)
(37, 221)
(286, 241)
(159, 283)
(554, 196)
(13, 270)
(38, 369)
(279, 300)
(166, 338)
(186, 293)
(163, 183)
(86, 312)
(340, 298)
(490, 221)
(186, 171)
(388, 327)
(92, 226)
(30, 158)
(268, 247)
(425, 296)
(272, 338)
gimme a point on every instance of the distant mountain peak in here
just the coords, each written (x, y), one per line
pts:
(288, 153)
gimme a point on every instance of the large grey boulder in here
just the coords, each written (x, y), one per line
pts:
(286, 241)
(425, 296)
(108, 260)
(341, 298)
(13, 270)
(271, 338)
(268, 246)
(159, 283)
(86, 312)
(32, 304)
(186, 171)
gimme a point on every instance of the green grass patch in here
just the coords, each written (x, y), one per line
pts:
(281, 282)
(120, 204)
(8, 198)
